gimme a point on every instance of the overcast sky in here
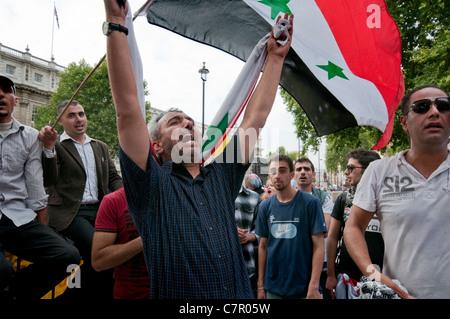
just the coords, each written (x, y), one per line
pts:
(171, 62)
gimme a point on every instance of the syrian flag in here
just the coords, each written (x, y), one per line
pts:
(344, 64)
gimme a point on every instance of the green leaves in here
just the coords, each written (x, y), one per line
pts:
(95, 97)
(424, 27)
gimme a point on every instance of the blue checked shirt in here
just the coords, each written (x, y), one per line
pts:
(188, 228)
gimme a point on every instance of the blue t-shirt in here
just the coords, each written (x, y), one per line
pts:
(289, 227)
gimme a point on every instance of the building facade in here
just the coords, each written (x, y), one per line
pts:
(36, 80)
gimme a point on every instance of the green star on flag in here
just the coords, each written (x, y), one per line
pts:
(368, 60)
(333, 70)
(277, 6)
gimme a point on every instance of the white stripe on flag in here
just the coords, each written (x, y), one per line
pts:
(136, 60)
(241, 91)
(315, 44)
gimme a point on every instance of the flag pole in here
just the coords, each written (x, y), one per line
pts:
(146, 5)
(53, 31)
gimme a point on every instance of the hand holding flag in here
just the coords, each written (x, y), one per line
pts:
(277, 43)
(342, 70)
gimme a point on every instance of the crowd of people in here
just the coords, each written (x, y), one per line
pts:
(170, 229)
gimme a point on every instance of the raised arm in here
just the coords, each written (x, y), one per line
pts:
(133, 133)
(261, 102)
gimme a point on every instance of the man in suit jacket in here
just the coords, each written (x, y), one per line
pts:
(78, 172)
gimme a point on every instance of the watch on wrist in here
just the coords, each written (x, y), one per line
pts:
(108, 27)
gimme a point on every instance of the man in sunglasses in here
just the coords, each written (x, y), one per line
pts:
(410, 193)
(343, 269)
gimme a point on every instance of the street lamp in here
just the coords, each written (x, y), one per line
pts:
(203, 73)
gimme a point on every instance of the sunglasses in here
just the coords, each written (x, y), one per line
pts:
(422, 106)
(351, 167)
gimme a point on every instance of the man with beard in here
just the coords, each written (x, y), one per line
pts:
(78, 173)
(291, 227)
(304, 177)
(184, 211)
(342, 269)
(23, 212)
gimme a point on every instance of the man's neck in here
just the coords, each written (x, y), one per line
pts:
(286, 195)
(79, 138)
(5, 127)
(193, 169)
(426, 162)
(305, 188)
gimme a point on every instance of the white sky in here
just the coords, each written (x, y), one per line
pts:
(171, 62)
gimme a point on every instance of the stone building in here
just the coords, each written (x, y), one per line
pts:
(36, 80)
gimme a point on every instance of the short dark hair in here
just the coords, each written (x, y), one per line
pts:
(304, 160)
(406, 100)
(364, 157)
(63, 104)
(282, 157)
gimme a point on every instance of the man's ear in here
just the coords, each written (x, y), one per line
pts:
(403, 119)
(157, 146)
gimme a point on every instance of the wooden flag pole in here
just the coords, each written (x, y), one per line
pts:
(144, 7)
(78, 90)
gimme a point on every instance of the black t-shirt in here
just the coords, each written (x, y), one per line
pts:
(374, 239)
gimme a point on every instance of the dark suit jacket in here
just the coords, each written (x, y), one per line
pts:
(65, 178)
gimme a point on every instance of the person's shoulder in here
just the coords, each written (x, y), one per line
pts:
(268, 201)
(99, 142)
(388, 160)
(304, 196)
(26, 129)
(115, 194)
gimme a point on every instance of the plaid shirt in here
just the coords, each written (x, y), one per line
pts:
(247, 204)
(188, 228)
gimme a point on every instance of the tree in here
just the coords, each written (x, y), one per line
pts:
(424, 27)
(95, 97)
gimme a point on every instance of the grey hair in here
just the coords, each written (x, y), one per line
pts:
(154, 125)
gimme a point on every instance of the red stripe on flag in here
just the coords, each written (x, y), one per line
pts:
(370, 42)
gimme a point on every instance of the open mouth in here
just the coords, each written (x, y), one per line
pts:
(434, 125)
(186, 138)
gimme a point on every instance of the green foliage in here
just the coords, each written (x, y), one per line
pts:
(424, 28)
(282, 151)
(95, 97)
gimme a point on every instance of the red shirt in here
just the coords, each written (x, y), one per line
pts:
(131, 278)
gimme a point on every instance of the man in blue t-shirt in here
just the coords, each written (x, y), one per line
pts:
(291, 227)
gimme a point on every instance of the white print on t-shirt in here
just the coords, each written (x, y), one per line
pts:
(398, 188)
(283, 230)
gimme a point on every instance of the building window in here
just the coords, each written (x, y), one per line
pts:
(10, 69)
(37, 77)
(34, 113)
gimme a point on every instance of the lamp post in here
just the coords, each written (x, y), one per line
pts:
(203, 73)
